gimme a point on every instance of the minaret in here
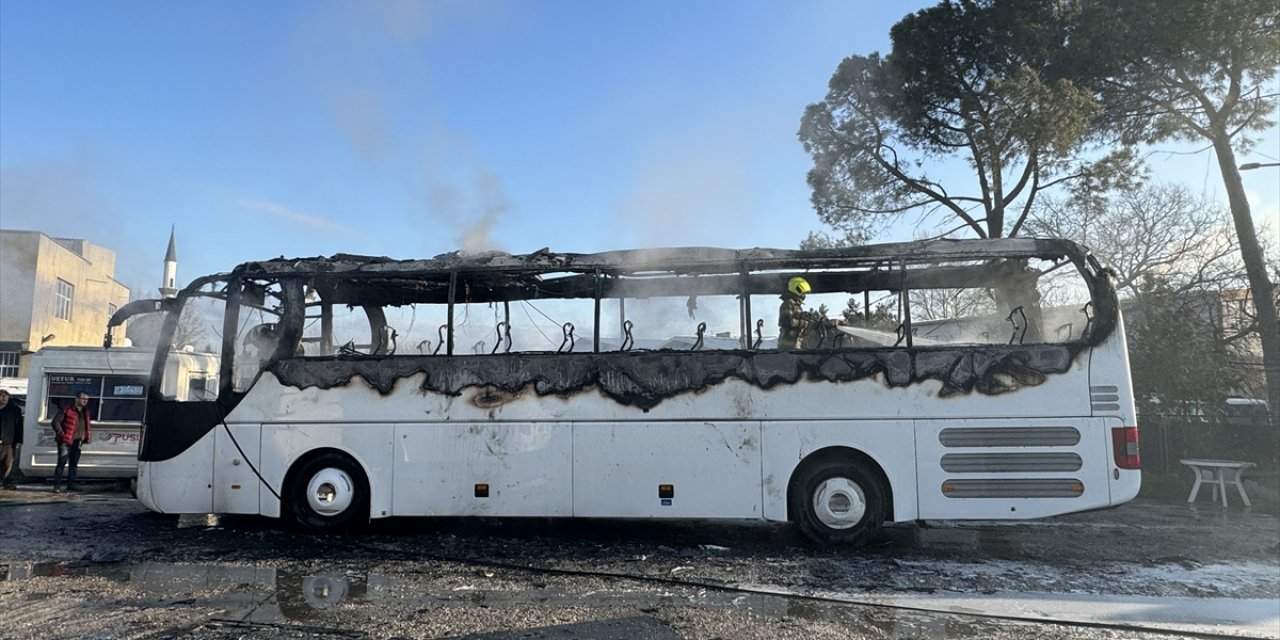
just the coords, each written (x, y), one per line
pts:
(169, 288)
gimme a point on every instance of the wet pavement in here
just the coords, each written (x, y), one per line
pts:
(97, 564)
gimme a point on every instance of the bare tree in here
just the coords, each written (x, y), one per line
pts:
(939, 304)
(1160, 230)
(1177, 257)
(190, 331)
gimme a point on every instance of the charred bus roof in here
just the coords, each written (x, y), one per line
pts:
(496, 276)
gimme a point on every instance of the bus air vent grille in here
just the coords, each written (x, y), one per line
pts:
(1009, 437)
(1043, 488)
(1009, 462)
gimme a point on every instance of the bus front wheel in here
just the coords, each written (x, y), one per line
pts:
(329, 493)
(838, 502)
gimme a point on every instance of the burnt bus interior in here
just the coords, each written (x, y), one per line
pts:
(984, 316)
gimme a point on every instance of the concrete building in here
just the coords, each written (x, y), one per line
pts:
(53, 291)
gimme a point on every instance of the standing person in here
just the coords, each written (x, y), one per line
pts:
(72, 429)
(791, 316)
(10, 437)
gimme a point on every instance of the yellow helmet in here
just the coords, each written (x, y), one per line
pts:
(798, 286)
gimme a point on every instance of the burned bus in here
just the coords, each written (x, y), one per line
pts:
(980, 379)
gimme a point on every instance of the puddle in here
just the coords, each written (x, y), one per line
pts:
(326, 598)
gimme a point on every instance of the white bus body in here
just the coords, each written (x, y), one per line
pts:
(835, 438)
(116, 381)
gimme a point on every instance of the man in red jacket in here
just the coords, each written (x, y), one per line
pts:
(72, 429)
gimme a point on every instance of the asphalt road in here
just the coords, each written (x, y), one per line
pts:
(98, 565)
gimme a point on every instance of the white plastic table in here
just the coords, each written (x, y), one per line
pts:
(1218, 473)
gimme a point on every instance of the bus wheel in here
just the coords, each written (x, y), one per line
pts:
(329, 493)
(838, 502)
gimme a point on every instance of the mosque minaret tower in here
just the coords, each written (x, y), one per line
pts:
(169, 288)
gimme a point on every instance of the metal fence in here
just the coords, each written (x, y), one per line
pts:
(1166, 439)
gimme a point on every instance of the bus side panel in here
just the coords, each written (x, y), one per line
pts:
(1111, 396)
(889, 443)
(183, 484)
(235, 487)
(1012, 468)
(369, 444)
(526, 468)
(713, 469)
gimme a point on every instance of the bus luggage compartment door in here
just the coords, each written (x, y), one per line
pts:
(667, 470)
(499, 469)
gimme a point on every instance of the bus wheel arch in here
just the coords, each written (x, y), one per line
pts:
(327, 490)
(839, 495)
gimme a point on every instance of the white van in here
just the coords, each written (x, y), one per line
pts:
(116, 381)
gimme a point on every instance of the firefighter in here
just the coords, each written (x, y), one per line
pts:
(792, 319)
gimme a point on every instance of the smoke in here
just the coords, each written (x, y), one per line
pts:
(476, 235)
(474, 211)
(687, 193)
(348, 55)
(86, 196)
(369, 67)
(294, 218)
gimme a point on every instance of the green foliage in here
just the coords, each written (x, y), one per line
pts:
(1179, 361)
(820, 240)
(1198, 71)
(1177, 69)
(882, 315)
(973, 80)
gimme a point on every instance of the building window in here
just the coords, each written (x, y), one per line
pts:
(63, 296)
(8, 364)
(111, 310)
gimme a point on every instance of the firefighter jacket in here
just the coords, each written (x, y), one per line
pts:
(791, 321)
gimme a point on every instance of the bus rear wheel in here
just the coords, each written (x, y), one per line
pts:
(328, 493)
(838, 502)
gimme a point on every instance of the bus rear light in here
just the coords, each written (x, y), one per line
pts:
(1124, 444)
(482, 490)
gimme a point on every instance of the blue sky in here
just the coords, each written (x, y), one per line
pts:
(413, 128)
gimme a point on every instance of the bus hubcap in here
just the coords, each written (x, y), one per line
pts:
(839, 503)
(330, 492)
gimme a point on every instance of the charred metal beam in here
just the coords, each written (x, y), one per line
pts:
(684, 260)
(383, 291)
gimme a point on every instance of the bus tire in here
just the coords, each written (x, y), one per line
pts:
(838, 502)
(328, 492)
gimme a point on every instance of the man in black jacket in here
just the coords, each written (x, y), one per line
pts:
(10, 437)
